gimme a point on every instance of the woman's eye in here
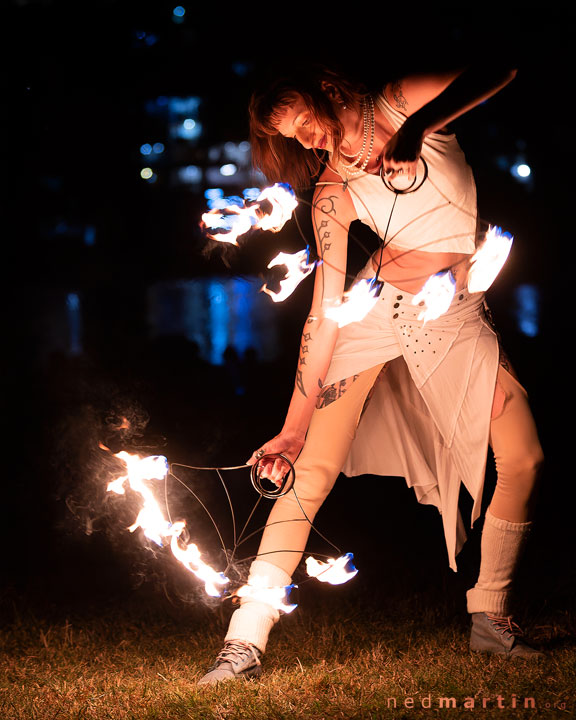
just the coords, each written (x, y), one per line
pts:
(306, 121)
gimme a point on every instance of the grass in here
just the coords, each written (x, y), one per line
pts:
(337, 656)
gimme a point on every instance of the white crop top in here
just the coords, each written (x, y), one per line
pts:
(440, 216)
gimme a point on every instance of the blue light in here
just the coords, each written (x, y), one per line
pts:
(216, 313)
(240, 68)
(219, 203)
(528, 309)
(521, 170)
(251, 193)
(188, 129)
(213, 193)
(228, 169)
(184, 105)
(145, 149)
(158, 148)
(179, 11)
(89, 235)
(219, 321)
(74, 324)
(190, 174)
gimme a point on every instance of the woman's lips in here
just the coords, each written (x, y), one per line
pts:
(322, 144)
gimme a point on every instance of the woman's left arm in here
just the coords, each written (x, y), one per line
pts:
(432, 101)
(442, 97)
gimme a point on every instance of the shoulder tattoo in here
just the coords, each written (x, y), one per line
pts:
(398, 95)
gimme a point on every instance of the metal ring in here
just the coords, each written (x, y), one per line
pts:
(259, 453)
(285, 485)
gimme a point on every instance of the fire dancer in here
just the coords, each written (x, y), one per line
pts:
(441, 391)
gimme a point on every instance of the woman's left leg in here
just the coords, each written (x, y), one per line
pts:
(508, 521)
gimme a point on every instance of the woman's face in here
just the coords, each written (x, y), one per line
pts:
(297, 122)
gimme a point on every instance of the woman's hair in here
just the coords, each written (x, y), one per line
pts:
(283, 159)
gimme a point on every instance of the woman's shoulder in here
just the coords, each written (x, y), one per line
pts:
(331, 185)
(331, 180)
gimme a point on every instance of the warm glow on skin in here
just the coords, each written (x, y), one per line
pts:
(298, 123)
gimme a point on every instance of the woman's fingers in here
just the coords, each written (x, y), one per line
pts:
(279, 470)
(273, 470)
(392, 170)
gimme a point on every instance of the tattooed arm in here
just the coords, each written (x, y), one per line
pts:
(430, 102)
(332, 213)
(442, 97)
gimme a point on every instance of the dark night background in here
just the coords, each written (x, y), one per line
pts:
(98, 259)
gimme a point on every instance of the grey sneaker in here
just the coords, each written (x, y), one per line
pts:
(499, 636)
(237, 659)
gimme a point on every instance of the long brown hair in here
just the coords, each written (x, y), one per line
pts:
(283, 159)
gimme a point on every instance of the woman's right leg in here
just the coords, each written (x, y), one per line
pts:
(330, 434)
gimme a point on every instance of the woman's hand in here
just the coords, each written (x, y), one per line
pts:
(402, 151)
(287, 443)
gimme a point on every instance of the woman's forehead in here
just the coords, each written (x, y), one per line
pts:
(285, 116)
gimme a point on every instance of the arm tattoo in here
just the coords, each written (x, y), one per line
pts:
(304, 349)
(326, 206)
(398, 96)
(331, 393)
(324, 236)
(300, 383)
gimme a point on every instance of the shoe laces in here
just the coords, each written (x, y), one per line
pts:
(505, 625)
(237, 649)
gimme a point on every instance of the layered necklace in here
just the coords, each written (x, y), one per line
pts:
(369, 133)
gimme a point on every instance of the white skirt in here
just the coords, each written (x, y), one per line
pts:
(428, 419)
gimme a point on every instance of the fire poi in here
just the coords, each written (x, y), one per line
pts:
(140, 476)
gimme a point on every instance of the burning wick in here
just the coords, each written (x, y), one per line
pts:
(489, 259)
(190, 557)
(152, 521)
(334, 571)
(270, 211)
(298, 268)
(356, 303)
(437, 295)
(259, 589)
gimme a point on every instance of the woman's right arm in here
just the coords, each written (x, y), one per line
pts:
(332, 213)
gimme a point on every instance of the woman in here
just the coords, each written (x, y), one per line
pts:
(440, 392)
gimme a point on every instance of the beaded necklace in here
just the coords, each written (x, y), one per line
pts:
(369, 121)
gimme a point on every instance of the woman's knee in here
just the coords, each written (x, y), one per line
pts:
(315, 485)
(520, 473)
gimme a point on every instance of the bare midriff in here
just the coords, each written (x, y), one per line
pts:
(408, 270)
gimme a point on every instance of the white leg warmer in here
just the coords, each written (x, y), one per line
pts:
(501, 548)
(253, 620)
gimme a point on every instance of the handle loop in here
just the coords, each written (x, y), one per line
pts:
(285, 485)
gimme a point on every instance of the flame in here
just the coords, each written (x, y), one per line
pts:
(489, 259)
(153, 523)
(356, 303)
(298, 268)
(270, 211)
(437, 295)
(191, 558)
(258, 588)
(334, 571)
(283, 201)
